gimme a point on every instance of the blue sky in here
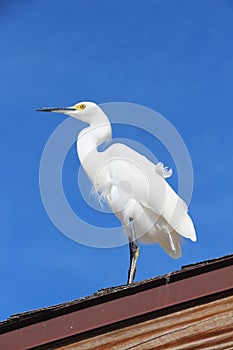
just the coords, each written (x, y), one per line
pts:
(173, 56)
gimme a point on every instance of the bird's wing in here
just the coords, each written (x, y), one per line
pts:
(160, 197)
(175, 213)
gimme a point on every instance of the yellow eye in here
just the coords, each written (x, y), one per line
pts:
(82, 106)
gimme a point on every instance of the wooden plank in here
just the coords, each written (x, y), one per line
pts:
(120, 309)
(208, 326)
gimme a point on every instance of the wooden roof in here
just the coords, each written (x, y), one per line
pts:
(116, 309)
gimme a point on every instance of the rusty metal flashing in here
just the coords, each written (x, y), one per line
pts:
(117, 305)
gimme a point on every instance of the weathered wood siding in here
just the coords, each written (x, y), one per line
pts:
(208, 326)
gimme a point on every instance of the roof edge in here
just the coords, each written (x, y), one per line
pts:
(104, 295)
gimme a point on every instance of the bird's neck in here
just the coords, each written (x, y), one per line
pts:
(88, 141)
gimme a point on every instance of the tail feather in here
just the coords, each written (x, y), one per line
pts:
(186, 228)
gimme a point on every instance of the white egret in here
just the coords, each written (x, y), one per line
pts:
(134, 187)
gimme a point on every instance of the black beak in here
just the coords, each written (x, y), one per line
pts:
(54, 109)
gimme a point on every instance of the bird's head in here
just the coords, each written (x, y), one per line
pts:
(84, 111)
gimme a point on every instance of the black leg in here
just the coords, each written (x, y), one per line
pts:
(134, 252)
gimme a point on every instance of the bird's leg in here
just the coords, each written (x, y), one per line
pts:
(134, 252)
(170, 239)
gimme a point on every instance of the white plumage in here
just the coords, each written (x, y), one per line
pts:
(132, 185)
